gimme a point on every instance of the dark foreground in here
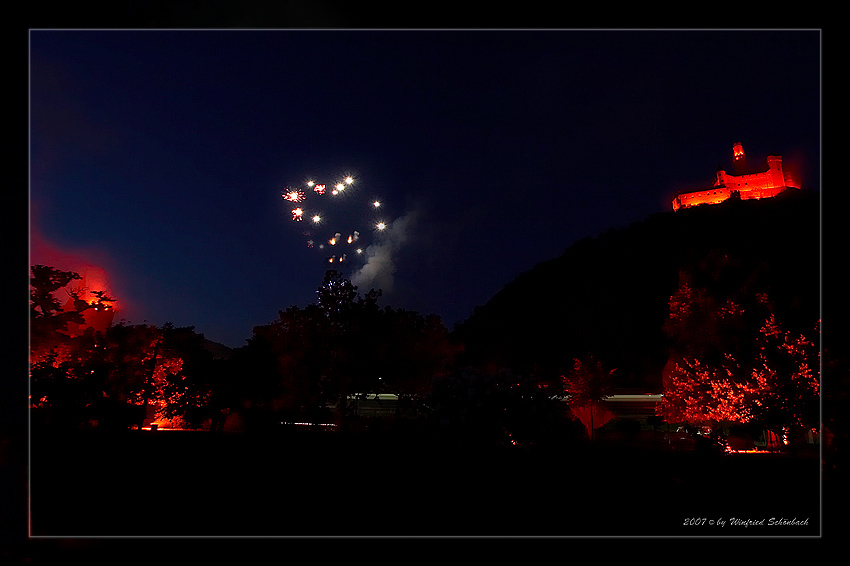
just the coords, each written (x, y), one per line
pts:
(327, 484)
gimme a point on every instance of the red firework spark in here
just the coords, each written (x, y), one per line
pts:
(294, 195)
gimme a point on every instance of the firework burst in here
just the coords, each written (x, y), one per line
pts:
(341, 222)
(294, 195)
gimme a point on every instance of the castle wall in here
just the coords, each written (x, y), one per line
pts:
(709, 196)
(757, 185)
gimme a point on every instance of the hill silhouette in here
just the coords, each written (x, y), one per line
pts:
(608, 295)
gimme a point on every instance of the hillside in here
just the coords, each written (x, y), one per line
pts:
(218, 350)
(609, 294)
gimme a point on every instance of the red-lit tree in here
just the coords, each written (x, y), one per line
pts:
(185, 378)
(586, 385)
(48, 319)
(787, 375)
(107, 378)
(731, 362)
(161, 375)
(129, 356)
(63, 365)
(709, 333)
(697, 393)
(61, 375)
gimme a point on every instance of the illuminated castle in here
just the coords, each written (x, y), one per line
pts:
(744, 184)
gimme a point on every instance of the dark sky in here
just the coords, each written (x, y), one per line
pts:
(158, 158)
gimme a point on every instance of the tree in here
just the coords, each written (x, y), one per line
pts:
(407, 353)
(335, 296)
(317, 357)
(108, 379)
(64, 368)
(48, 319)
(787, 375)
(309, 358)
(287, 365)
(587, 384)
(731, 362)
(703, 394)
(184, 377)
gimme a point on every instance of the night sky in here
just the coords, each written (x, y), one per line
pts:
(158, 158)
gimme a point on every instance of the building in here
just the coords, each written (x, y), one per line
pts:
(744, 183)
(638, 407)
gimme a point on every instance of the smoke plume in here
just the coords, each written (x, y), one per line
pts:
(379, 269)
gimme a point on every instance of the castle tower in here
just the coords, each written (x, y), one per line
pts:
(739, 159)
(777, 175)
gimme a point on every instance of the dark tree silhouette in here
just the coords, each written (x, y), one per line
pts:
(336, 296)
(317, 357)
(65, 370)
(48, 319)
(587, 384)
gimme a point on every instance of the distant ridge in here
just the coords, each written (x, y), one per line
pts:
(609, 294)
(218, 350)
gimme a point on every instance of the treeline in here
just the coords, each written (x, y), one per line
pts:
(717, 307)
(309, 366)
(83, 378)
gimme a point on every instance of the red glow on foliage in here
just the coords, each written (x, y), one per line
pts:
(88, 263)
(697, 393)
(774, 385)
(592, 419)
